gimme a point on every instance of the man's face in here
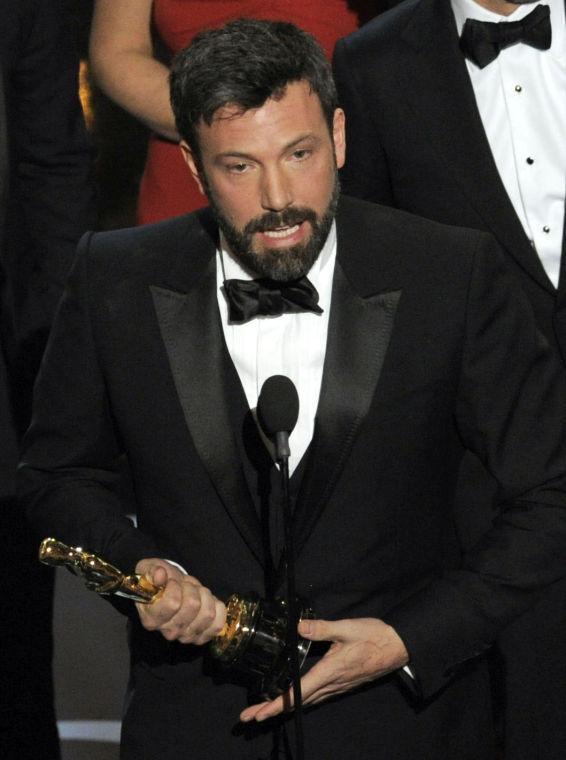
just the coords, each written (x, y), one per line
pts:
(270, 175)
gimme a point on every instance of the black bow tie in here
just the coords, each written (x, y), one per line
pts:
(251, 298)
(482, 41)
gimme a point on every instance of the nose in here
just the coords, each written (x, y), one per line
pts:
(276, 192)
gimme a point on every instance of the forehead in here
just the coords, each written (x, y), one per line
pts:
(271, 126)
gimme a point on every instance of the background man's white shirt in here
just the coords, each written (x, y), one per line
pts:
(521, 97)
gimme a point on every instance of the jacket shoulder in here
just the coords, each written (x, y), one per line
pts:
(165, 234)
(379, 220)
(383, 244)
(381, 34)
(152, 250)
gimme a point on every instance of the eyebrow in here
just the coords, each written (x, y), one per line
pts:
(292, 144)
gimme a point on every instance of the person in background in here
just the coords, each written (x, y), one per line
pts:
(46, 203)
(126, 68)
(457, 111)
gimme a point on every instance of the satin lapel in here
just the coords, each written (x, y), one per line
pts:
(436, 83)
(192, 332)
(359, 333)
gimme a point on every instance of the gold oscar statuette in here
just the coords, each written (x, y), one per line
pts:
(254, 637)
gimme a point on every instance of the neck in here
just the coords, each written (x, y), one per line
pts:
(502, 7)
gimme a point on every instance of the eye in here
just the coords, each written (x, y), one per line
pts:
(239, 168)
(300, 154)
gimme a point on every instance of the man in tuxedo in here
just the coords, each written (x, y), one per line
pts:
(162, 341)
(46, 203)
(456, 110)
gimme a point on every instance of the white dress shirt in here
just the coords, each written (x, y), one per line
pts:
(291, 344)
(521, 97)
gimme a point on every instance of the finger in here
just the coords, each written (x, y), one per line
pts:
(332, 689)
(188, 610)
(329, 680)
(159, 613)
(323, 630)
(158, 571)
(263, 710)
(323, 694)
(191, 579)
(197, 630)
(250, 712)
(220, 617)
(214, 628)
(311, 681)
(320, 676)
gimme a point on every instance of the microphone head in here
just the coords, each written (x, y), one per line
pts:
(278, 405)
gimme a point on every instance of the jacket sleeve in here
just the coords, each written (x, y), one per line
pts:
(511, 412)
(69, 476)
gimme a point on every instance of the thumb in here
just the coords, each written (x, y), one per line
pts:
(158, 575)
(157, 571)
(320, 630)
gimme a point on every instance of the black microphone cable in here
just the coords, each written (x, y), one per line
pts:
(278, 411)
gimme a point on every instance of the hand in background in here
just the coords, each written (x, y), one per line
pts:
(185, 611)
(362, 650)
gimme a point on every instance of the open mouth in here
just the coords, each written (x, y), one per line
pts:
(282, 232)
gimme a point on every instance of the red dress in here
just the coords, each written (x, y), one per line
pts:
(167, 189)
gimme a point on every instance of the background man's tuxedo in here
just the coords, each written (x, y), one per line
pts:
(413, 375)
(416, 141)
(46, 203)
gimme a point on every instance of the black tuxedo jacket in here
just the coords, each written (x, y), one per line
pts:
(430, 351)
(416, 141)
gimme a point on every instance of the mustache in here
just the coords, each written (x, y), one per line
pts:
(287, 218)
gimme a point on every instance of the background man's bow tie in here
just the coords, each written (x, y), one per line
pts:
(264, 297)
(482, 41)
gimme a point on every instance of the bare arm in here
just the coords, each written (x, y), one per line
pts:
(121, 54)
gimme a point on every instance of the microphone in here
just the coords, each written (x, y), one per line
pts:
(278, 411)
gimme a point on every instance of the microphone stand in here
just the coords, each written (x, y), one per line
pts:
(283, 453)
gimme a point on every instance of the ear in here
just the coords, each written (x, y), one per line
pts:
(339, 137)
(191, 161)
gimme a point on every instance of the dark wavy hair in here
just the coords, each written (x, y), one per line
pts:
(244, 63)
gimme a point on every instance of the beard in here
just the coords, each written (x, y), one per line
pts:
(280, 264)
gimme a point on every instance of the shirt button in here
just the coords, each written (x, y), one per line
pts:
(518, 88)
(546, 228)
(530, 160)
